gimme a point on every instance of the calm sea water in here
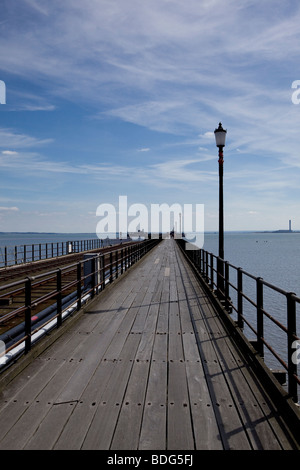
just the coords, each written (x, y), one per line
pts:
(273, 256)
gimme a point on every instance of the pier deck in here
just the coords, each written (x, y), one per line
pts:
(148, 366)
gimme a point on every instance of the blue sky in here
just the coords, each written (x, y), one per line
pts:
(121, 97)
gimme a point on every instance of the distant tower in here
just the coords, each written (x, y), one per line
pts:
(290, 225)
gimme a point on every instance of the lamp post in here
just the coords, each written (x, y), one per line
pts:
(220, 136)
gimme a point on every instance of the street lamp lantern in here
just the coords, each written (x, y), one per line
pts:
(220, 135)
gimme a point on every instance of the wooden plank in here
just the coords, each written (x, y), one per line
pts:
(127, 432)
(163, 314)
(153, 429)
(180, 431)
(84, 412)
(231, 428)
(205, 425)
(145, 348)
(175, 334)
(29, 421)
(101, 431)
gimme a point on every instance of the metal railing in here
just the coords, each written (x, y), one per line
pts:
(265, 313)
(19, 254)
(35, 305)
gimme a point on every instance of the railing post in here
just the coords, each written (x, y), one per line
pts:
(28, 294)
(292, 364)
(58, 298)
(260, 316)
(122, 260)
(110, 267)
(201, 261)
(226, 290)
(102, 272)
(78, 286)
(220, 277)
(93, 260)
(240, 320)
(206, 266)
(212, 271)
(117, 264)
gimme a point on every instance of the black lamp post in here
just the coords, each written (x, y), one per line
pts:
(220, 135)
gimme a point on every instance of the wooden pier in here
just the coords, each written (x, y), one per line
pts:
(148, 365)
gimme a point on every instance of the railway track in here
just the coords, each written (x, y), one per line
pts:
(44, 289)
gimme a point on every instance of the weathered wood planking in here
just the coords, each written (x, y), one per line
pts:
(149, 366)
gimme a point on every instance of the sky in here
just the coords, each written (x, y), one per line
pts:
(110, 98)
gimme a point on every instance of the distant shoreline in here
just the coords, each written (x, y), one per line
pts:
(209, 231)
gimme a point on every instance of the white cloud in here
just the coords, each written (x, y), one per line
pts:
(11, 138)
(9, 152)
(9, 209)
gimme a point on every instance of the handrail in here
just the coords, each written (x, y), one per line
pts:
(208, 264)
(70, 287)
(28, 253)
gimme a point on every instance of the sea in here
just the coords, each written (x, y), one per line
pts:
(274, 256)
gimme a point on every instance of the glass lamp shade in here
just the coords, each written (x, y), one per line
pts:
(220, 135)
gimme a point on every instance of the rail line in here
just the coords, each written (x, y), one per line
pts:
(29, 304)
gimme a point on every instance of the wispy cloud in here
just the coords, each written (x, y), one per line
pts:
(167, 67)
(14, 139)
(9, 209)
